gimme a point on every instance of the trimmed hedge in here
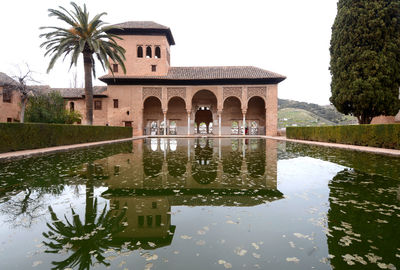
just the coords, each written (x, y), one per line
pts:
(18, 136)
(384, 136)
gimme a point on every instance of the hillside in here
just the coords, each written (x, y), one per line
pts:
(298, 117)
(309, 114)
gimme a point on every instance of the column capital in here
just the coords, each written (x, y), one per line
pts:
(244, 111)
(164, 112)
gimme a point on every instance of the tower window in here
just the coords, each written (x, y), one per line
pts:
(157, 53)
(148, 52)
(140, 52)
(115, 103)
(72, 106)
(153, 68)
(115, 67)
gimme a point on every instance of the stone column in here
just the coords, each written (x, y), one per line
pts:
(219, 122)
(165, 122)
(244, 122)
(188, 122)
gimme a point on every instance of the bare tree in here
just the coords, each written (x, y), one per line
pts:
(25, 91)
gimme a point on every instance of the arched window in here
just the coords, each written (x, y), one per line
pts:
(72, 106)
(140, 52)
(148, 52)
(157, 53)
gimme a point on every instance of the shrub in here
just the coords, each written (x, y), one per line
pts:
(50, 108)
(19, 136)
(385, 136)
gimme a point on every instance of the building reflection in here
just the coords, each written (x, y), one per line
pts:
(162, 173)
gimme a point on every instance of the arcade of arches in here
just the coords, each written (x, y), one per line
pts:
(211, 110)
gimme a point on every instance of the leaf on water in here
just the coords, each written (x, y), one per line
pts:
(292, 245)
(255, 245)
(221, 261)
(227, 265)
(292, 259)
(148, 266)
(256, 255)
(176, 252)
(230, 222)
(239, 251)
(151, 244)
(186, 237)
(36, 263)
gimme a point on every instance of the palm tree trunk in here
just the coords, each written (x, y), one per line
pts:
(89, 211)
(87, 62)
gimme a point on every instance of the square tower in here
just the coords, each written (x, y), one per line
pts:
(147, 46)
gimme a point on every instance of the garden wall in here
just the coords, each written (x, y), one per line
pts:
(384, 136)
(18, 136)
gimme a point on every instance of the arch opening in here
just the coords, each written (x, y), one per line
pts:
(176, 116)
(255, 116)
(232, 116)
(152, 116)
(205, 104)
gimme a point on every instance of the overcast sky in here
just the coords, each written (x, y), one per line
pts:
(290, 37)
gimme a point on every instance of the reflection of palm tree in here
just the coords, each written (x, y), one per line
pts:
(87, 240)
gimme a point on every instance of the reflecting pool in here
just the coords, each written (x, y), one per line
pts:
(201, 204)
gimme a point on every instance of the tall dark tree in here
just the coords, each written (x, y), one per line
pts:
(365, 58)
(83, 36)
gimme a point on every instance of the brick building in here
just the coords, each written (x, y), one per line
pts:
(155, 98)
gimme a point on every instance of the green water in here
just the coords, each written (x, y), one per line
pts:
(201, 204)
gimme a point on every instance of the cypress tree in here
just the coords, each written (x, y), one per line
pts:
(365, 58)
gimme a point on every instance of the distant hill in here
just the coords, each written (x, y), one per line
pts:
(296, 113)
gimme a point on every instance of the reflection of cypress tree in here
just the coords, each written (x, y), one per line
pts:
(204, 167)
(256, 163)
(152, 162)
(361, 219)
(176, 163)
(232, 163)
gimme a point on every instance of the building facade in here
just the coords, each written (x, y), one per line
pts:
(155, 98)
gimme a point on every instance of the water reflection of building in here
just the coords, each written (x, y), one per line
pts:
(194, 164)
(162, 173)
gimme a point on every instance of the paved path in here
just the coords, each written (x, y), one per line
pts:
(44, 151)
(376, 150)
(63, 148)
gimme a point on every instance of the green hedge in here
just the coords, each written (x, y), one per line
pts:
(18, 136)
(385, 136)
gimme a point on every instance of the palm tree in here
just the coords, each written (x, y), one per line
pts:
(83, 36)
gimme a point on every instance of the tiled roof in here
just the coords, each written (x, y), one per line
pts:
(209, 73)
(142, 28)
(67, 92)
(140, 25)
(6, 80)
(79, 92)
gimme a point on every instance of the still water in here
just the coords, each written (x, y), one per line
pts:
(201, 204)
